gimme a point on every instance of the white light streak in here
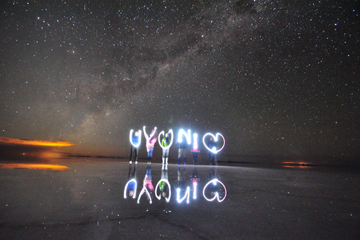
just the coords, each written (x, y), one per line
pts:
(187, 136)
(187, 195)
(213, 150)
(195, 141)
(216, 194)
(169, 186)
(195, 184)
(144, 190)
(130, 138)
(171, 141)
(147, 137)
(126, 186)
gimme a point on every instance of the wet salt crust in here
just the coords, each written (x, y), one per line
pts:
(87, 202)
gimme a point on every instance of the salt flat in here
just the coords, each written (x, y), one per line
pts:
(85, 200)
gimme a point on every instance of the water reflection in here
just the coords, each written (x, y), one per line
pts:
(148, 186)
(53, 167)
(131, 185)
(214, 188)
(163, 187)
(186, 184)
(195, 181)
(182, 185)
(297, 165)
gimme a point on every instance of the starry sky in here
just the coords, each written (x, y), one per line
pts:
(274, 77)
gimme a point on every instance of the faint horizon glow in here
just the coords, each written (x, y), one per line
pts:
(44, 143)
(297, 165)
(54, 167)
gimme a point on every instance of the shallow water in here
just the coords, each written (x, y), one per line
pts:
(85, 200)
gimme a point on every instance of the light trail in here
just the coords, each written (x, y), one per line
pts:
(158, 196)
(130, 138)
(135, 188)
(187, 195)
(171, 141)
(215, 140)
(187, 136)
(216, 194)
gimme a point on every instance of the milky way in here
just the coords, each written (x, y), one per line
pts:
(274, 77)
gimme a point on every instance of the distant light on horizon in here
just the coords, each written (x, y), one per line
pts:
(16, 141)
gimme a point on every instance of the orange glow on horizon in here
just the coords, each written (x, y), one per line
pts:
(54, 167)
(296, 165)
(35, 142)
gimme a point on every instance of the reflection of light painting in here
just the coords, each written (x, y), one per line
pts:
(144, 190)
(187, 195)
(195, 184)
(157, 185)
(135, 188)
(215, 140)
(187, 136)
(130, 138)
(216, 194)
(171, 141)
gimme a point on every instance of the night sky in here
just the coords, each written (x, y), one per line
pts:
(274, 77)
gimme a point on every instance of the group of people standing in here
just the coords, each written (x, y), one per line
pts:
(165, 144)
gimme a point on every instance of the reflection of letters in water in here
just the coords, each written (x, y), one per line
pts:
(186, 195)
(195, 182)
(213, 190)
(182, 185)
(147, 185)
(163, 187)
(131, 185)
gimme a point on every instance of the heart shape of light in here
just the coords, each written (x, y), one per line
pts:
(158, 196)
(171, 141)
(215, 139)
(216, 195)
